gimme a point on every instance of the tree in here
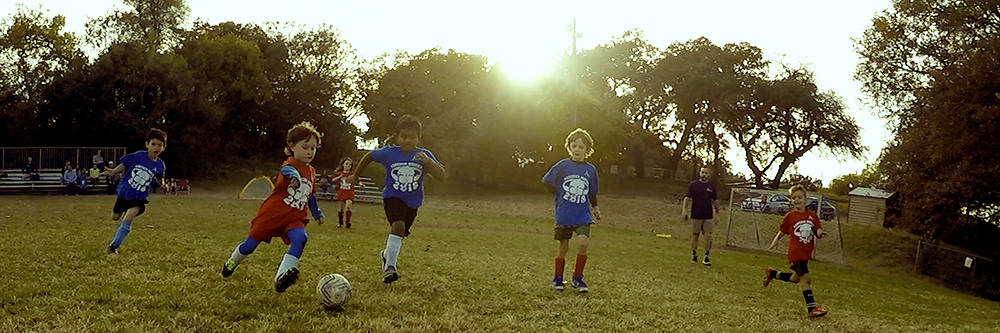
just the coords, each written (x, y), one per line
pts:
(154, 24)
(33, 52)
(930, 67)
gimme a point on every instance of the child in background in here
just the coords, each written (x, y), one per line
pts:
(141, 168)
(574, 182)
(403, 194)
(283, 213)
(803, 228)
(345, 190)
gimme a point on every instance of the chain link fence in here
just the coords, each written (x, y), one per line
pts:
(959, 269)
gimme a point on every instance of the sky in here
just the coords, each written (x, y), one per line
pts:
(527, 36)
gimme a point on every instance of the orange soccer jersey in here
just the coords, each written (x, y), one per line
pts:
(345, 189)
(801, 230)
(285, 208)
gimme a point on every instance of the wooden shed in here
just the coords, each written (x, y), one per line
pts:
(867, 205)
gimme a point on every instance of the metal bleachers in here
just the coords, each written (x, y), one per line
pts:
(365, 191)
(49, 180)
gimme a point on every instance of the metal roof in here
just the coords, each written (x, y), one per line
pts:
(871, 193)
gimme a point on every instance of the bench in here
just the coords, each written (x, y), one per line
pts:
(49, 181)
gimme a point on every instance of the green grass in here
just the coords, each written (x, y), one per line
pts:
(473, 264)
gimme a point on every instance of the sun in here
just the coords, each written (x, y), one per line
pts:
(524, 66)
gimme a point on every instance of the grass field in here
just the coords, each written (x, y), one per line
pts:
(472, 264)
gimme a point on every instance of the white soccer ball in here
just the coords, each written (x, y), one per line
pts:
(333, 291)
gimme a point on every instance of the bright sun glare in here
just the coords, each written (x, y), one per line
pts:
(524, 66)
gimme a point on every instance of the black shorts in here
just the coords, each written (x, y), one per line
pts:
(397, 210)
(123, 205)
(800, 267)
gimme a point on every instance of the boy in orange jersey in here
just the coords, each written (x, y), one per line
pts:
(283, 213)
(803, 228)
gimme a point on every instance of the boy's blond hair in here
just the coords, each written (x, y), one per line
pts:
(792, 190)
(580, 133)
(301, 132)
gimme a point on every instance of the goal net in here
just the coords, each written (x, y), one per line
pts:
(257, 189)
(756, 214)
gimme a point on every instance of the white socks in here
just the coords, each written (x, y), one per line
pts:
(237, 256)
(287, 263)
(392, 245)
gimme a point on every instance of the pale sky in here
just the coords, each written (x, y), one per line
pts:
(526, 36)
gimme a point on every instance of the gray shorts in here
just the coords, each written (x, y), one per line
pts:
(702, 226)
(565, 233)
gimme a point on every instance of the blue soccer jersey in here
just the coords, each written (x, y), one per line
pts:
(404, 174)
(140, 173)
(574, 183)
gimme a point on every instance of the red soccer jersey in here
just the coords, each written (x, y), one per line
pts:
(285, 208)
(801, 230)
(345, 190)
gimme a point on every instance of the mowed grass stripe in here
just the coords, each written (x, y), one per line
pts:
(473, 264)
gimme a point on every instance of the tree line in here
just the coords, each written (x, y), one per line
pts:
(226, 93)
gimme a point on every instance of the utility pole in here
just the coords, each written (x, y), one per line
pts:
(572, 29)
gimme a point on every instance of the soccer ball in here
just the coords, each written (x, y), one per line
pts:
(333, 291)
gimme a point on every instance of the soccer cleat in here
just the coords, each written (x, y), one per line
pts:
(340, 225)
(579, 285)
(694, 259)
(228, 268)
(557, 283)
(348, 225)
(390, 275)
(112, 250)
(767, 276)
(817, 312)
(286, 279)
(706, 262)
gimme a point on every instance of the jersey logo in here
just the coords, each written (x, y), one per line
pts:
(575, 188)
(140, 178)
(345, 183)
(298, 197)
(406, 176)
(803, 230)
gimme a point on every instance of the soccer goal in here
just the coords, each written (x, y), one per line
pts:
(257, 189)
(756, 214)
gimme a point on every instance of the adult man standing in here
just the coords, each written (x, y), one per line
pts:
(702, 196)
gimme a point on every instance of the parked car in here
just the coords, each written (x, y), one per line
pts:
(829, 210)
(768, 204)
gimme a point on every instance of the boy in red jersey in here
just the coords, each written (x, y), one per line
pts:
(345, 190)
(283, 213)
(803, 228)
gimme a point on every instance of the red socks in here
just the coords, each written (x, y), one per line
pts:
(560, 266)
(581, 261)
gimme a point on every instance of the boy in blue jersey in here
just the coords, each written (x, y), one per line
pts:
(404, 164)
(141, 168)
(574, 182)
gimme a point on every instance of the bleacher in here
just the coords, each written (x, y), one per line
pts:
(49, 181)
(365, 191)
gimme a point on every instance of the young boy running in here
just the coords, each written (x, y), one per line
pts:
(803, 228)
(141, 168)
(345, 190)
(283, 213)
(574, 182)
(404, 164)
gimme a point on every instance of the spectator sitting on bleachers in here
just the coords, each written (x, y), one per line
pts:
(112, 180)
(30, 170)
(69, 179)
(95, 174)
(81, 181)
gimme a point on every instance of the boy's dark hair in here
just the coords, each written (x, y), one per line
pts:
(340, 166)
(156, 133)
(301, 132)
(408, 122)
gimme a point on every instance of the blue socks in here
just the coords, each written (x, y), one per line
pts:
(123, 230)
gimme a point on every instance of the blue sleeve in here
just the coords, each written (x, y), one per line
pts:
(314, 208)
(128, 160)
(431, 155)
(550, 177)
(378, 155)
(690, 192)
(289, 172)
